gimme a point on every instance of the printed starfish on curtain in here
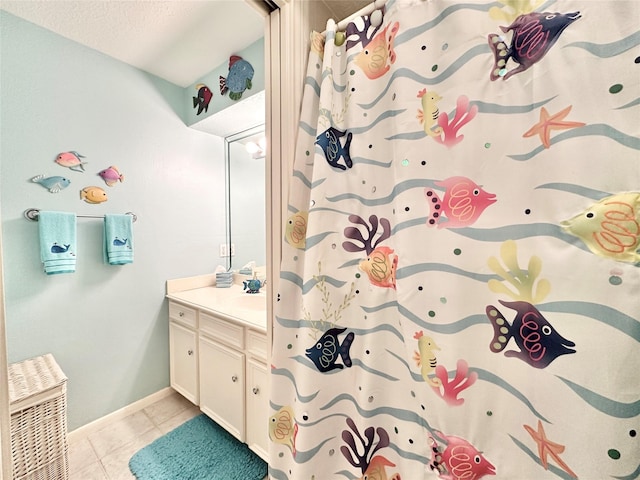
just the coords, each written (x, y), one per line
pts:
(548, 123)
(547, 446)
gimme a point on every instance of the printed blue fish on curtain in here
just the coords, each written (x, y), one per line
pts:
(459, 295)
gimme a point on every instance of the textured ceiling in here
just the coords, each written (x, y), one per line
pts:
(179, 41)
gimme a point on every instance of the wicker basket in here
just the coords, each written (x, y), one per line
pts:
(38, 396)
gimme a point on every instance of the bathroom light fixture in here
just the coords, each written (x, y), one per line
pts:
(257, 150)
(252, 147)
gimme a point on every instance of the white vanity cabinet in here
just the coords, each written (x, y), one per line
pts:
(183, 351)
(219, 363)
(222, 377)
(257, 393)
(257, 407)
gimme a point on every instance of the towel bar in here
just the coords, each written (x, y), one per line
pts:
(32, 214)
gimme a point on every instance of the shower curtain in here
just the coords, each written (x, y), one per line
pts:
(460, 287)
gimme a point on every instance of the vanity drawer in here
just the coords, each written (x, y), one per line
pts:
(227, 332)
(185, 315)
(257, 344)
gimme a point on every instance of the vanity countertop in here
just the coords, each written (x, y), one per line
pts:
(232, 303)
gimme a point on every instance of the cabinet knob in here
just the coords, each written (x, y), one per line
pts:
(181, 314)
(255, 390)
(190, 352)
(234, 379)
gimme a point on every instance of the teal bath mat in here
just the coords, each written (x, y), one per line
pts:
(199, 449)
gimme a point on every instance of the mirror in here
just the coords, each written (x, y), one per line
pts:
(245, 167)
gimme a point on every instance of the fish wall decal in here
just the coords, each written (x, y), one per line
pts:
(203, 98)
(53, 184)
(93, 195)
(71, 160)
(111, 176)
(238, 79)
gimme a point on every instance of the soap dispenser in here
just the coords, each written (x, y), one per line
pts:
(253, 285)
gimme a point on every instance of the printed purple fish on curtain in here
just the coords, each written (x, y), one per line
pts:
(533, 35)
(539, 343)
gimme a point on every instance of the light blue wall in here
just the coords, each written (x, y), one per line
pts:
(106, 325)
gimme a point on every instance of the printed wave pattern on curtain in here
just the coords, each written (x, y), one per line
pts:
(459, 293)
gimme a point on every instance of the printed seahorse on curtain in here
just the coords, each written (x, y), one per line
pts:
(463, 203)
(372, 466)
(428, 116)
(376, 58)
(426, 358)
(381, 262)
(610, 228)
(446, 389)
(533, 35)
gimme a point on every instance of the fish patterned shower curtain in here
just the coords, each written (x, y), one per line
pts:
(460, 288)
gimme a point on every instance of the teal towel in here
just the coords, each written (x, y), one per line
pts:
(58, 247)
(118, 239)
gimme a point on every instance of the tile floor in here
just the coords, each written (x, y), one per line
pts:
(105, 454)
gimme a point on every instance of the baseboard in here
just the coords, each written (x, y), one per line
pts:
(86, 430)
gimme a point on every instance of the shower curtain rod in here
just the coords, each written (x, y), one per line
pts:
(32, 214)
(366, 10)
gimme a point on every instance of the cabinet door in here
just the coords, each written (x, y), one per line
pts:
(257, 408)
(183, 361)
(222, 385)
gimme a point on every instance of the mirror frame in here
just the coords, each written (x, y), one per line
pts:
(228, 140)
